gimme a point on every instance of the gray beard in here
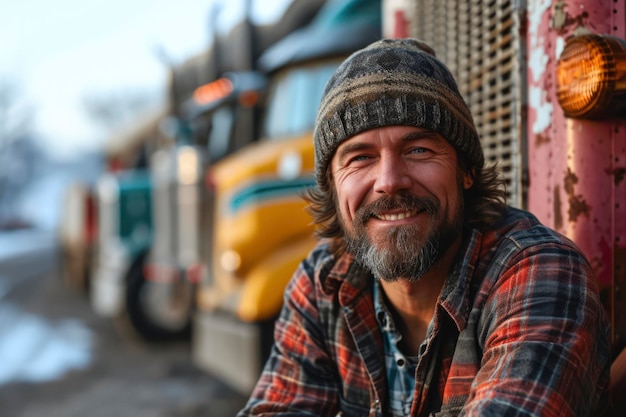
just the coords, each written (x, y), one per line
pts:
(404, 253)
(404, 256)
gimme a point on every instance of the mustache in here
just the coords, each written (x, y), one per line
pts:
(397, 202)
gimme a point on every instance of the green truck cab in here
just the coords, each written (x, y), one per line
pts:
(125, 232)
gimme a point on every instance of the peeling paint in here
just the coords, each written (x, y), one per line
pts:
(563, 22)
(538, 60)
(618, 175)
(538, 9)
(577, 204)
(582, 30)
(570, 181)
(537, 98)
(559, 17)
(537, 63)
(541, 139)
(559, 44)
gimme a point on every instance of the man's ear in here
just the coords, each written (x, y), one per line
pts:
(468, 179)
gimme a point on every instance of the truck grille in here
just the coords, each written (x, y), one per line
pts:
(481, 44)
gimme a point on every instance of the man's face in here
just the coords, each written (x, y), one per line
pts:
(399, 193)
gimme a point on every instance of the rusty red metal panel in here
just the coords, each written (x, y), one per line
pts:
(577, 168)
(618, 294)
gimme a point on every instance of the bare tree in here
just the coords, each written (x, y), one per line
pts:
(117, 109)
(16, 114)
(18, 150)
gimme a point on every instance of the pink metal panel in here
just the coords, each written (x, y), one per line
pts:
(578, 167)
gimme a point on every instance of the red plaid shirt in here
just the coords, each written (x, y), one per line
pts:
(518, 331)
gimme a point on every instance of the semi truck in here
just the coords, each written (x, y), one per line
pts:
(546, 83)
(123, 213)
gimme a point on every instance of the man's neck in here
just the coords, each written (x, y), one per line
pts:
(413, 307)
(413, 303)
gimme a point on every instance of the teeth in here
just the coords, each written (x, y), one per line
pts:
(398, 216)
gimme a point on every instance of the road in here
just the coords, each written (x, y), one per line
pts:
(61, 360)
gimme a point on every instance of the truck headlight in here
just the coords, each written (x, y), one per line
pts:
(188, 166)
(591, 77)
(230, 260)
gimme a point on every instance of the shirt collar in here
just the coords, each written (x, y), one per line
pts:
(455, 297)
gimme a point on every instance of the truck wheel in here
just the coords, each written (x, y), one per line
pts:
(158, 312)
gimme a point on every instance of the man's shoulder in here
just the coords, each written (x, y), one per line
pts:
(329, 270)
(521, 229)
(320, 261)
(320, 258)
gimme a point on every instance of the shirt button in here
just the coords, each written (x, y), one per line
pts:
(400, 362)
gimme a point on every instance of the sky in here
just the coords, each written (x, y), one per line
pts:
(59, 52)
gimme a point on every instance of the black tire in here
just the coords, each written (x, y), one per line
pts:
(137, 314)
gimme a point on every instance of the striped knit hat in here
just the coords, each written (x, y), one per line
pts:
(393, 82)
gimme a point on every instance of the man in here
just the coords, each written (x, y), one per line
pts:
(428, 296)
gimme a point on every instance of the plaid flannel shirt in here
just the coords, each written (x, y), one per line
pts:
(518, 330)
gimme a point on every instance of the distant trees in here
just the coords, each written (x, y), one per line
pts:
(15, 113)
(18, 150)
(113, 110)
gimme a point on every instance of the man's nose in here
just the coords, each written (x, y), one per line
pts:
(392, 175)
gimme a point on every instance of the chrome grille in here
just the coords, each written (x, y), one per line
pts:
(162, 172)
(481, 44)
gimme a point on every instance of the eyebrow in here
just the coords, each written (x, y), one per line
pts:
(349, 148)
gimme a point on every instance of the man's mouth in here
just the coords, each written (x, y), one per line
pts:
(396, 209)
(397, 216)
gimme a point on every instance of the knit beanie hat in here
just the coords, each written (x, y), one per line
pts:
(393, 82)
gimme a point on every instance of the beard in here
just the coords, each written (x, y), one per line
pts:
(406, 251)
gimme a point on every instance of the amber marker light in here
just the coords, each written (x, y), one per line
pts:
(212, 91)
(591, 77)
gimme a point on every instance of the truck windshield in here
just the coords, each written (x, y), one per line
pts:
(220, 136)
(294, 97)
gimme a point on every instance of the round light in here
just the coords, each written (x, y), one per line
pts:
(188, 167)
(230, 261)
(590, 76)
(290, 165)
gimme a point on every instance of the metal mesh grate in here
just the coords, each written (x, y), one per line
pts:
(480, 42)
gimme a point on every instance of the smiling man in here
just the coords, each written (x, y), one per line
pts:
(427, 295)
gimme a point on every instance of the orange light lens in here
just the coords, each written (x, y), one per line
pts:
(591, 77)
(212, 91)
